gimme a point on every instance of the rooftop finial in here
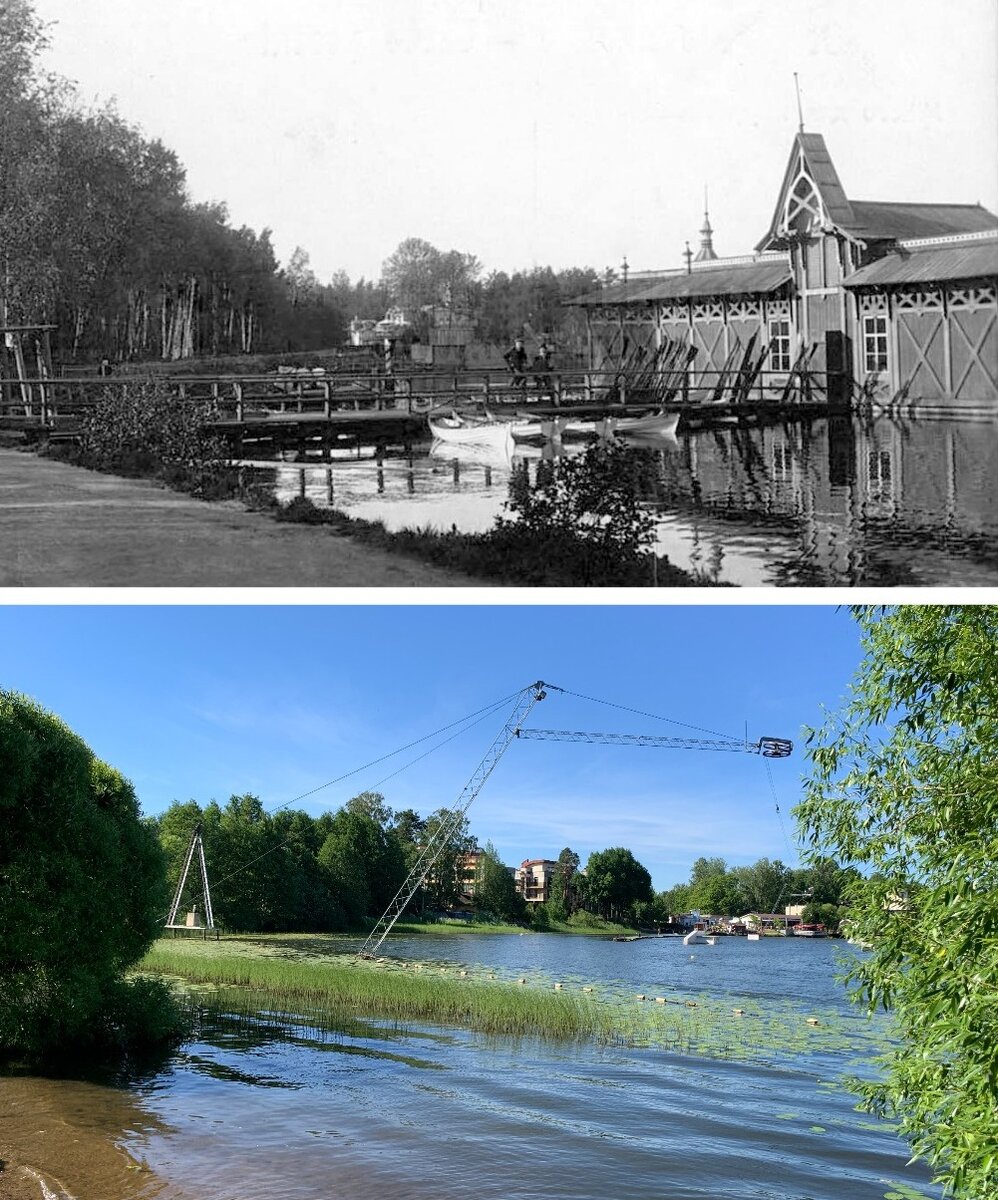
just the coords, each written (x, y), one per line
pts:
(800, 111)
(706, 251)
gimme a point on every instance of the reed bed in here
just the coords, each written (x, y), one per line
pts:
(377, 989)
(319, 982)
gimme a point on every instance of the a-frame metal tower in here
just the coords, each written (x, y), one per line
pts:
(194, 848)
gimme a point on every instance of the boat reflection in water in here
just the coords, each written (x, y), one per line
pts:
(840, 501)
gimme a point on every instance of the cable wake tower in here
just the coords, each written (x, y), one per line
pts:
(525, 701)
(194, 847)
(768, 747)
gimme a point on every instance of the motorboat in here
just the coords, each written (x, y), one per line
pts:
(811, 931)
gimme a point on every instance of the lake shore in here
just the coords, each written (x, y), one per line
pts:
(64, 526)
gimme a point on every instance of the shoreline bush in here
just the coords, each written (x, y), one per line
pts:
(82, 893)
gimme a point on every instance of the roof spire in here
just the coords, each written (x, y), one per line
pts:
(800, 111)
(706, 251)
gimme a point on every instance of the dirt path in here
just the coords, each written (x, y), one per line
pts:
(61, 526)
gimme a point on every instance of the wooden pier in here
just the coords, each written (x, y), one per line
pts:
(320, 411)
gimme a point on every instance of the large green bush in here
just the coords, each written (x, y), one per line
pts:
(82, 894)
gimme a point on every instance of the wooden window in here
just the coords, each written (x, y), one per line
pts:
(875, 343)
(779, 344)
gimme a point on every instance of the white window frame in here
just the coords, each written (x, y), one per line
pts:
(876, 344)
(779, 344)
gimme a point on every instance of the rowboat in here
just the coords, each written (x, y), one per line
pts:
(653, 425)
(660, 424)
(458, 432)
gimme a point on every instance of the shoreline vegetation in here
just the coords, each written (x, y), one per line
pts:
(582, 525)
(328, 986)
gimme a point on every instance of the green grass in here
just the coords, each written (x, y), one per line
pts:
(322, 981)
(393, 990)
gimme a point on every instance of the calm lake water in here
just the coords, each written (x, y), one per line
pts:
(263, 1107)
(826, 503)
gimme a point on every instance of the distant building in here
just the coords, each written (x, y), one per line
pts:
(467, 872)
(891, 300)
(393, 325)
(533, 879)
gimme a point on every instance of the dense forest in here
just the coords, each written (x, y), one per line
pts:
(100, 238)
(289, 871)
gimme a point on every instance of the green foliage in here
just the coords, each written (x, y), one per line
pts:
(565, 886)
(139, 428)
(615, 881)
(82, 890)
(444, 886)
(904, 785)
(495, 888)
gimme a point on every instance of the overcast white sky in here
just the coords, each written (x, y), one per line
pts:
(536, 132)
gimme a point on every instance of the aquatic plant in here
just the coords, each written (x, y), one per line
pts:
(319, 980)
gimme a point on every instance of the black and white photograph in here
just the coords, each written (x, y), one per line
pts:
(444, 294)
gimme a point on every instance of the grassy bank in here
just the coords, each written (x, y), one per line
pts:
(319, 981)
(385, 989)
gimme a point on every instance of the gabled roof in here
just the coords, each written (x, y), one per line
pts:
(811, 149)
(869, 220)
(972, 259)
(720, 277)
(876, 219)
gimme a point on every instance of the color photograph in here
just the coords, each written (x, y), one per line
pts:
(313, 901)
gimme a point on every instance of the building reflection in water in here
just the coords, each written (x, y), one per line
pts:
(840, 501)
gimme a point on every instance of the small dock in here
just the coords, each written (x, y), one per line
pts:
(321, 411)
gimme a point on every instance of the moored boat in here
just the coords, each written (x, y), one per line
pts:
(660, 424)
(465, 433)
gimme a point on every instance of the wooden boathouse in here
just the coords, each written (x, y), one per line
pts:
(887, 303)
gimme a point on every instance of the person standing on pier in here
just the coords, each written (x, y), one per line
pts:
(516, 359)
(541, 365)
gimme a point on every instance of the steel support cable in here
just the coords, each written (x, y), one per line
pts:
(654, 716)
(391, 754)
(469, 721)
(525, 701)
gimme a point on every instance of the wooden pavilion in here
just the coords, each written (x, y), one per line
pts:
(894, 302)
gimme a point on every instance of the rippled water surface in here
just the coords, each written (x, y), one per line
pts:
(822, 503)
(263, 1106)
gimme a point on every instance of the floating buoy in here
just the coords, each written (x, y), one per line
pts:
(813, 1021)
(587, 989)
(739, 1012)
(640, 996)
(660, 1000)
(557, 987)
(521, 981)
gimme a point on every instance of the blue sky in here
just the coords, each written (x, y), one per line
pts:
(204, 702)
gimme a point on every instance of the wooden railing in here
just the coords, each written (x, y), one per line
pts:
(55, 402)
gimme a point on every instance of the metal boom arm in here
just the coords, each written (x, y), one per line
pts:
(768, 747)
(526, 700)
